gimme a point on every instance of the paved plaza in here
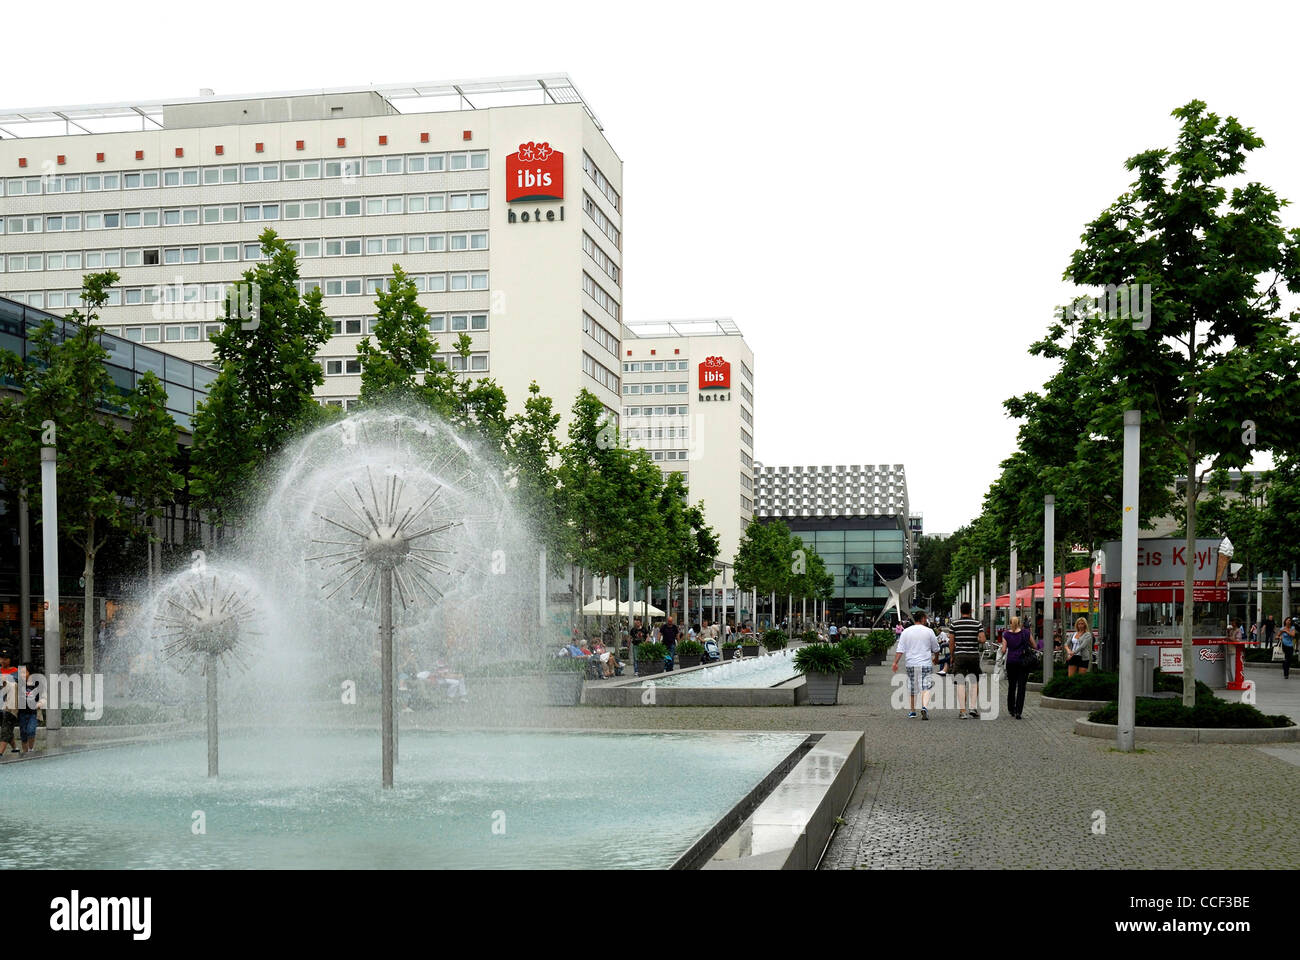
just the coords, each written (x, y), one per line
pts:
(996, 793)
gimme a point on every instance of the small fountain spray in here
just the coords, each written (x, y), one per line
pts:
(379, 555)
(204, 618)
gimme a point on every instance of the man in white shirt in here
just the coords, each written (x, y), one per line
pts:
(918, 645)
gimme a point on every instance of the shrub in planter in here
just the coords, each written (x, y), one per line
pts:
(822, 664)
(879, 641)
(689, 653)
(650, 657)
(729, 649)
(775, 640)
(810, 636)
(749, 646)
(859, 650)
(564, 676)
(1209, 711)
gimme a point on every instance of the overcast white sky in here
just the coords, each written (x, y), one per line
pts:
(883, 197)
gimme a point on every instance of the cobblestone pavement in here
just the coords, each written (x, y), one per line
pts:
(994, 793)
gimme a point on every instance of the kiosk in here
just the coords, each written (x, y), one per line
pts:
(1162, 565)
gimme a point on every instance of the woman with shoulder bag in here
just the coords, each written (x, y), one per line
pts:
(1018, 647)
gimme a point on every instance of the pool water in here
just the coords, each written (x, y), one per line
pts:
(766, 670)
(461, 800)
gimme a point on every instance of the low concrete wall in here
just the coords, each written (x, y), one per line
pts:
(98, 733)
(1106, 731)
(790, 829)
(1086, 706)
(633, 694)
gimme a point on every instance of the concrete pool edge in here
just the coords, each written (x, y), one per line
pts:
(793, 824)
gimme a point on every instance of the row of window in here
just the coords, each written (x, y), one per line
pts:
(654, 366)
(744, 368)
(668, 411)
(351, 367)
(745, 415)
(745, 392)
(635, 389)
(599, 219)
(247, 213)
(657, 433)
(332, 287)
(438, 323)
(599, 333)
(746, 504)
(598, 178)
(599, 294)
(746, 459)
(602, 259)
(746, 481)
(225, 252)
(746, 438)
(601, 374)
(247, 173)
(670, 455)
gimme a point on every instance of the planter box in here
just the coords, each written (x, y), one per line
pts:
(647, 667)
(691, 661)
(729, 652)
(823, 688)
(749, 649)
(563, 689)
(855, 673)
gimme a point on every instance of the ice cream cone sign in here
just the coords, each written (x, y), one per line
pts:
(1225, 558)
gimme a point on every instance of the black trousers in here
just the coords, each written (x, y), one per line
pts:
(1286, 661)
(1017, 677)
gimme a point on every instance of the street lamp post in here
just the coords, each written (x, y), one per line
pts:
(1124, 728)
(1049, 587)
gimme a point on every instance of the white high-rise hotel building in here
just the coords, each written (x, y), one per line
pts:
(501, 198)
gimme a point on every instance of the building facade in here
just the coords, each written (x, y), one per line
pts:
(502, 200)
(688, 398)
(855, 517)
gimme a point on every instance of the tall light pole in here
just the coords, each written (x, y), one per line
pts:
(50, 558)
(1049, 588)
(993, 599)
(1013, 599)
(1124, 729)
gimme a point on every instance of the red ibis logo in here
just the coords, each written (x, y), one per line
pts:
(715, 372)
(536, 172)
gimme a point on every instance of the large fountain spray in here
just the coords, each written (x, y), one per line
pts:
(204, 617)
(395, 505)
(379, 555)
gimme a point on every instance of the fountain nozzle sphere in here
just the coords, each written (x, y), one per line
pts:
(386, 548)
(211, 633)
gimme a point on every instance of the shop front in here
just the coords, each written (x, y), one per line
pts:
(1162, 605)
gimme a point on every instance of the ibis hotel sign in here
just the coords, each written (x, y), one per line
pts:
(535, 173)
(715, 379)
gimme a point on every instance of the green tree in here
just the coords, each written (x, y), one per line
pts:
(263, 395)
(111, 478)
(403, 348)
(475, 407)
(533, 452)
(1211, 369)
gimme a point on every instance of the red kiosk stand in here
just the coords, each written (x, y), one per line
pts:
(1235, 665)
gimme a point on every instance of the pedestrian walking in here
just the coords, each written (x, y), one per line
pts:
(1287, 636)
(918, 647)
(967, 639)
(1018, 646)
(1079, 648)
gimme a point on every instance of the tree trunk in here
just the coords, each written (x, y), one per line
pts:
(88, 617)
(1189, 663)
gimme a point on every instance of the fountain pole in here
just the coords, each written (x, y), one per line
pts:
(212, 714)
(386, 669)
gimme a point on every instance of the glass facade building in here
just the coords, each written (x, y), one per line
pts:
(855, 517)
(186, 383)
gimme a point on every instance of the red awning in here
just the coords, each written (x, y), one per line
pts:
(1076, 588)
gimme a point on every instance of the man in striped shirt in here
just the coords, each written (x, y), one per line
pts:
(967, 641)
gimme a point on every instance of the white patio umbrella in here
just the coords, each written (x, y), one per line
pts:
(604, 607)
